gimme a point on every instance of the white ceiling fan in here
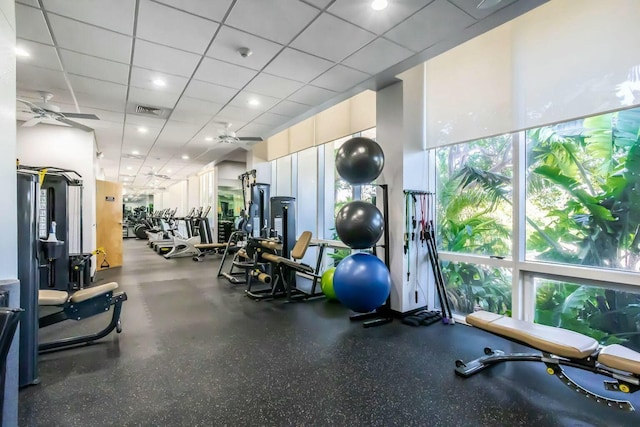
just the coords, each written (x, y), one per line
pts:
(227, 136)
(44, 111)
(153, 174)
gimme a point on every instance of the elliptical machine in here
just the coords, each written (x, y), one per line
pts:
(185, 247)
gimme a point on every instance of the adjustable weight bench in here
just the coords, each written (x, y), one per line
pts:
(559, 347)
(80, 305)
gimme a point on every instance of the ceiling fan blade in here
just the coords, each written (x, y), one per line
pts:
(31, 122)
(29, 104)
(80, 116)
(163, 176)
(74, 124)
(250, 138)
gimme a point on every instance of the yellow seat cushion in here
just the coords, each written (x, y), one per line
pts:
(52, 297)
(618, 357)
(87, 293)
(557, 341)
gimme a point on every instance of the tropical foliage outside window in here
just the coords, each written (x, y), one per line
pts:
(611, 317)
(582, 203)
(474, 211)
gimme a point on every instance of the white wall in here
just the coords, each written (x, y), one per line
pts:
(67, 148)
(193, 191)
(177, 198)
(8, 207)
(8, 257)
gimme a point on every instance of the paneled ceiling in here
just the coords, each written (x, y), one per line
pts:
(103, 57)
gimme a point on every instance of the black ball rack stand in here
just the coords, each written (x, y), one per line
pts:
(383, 314)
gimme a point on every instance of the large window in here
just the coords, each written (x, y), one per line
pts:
(609, 316)
(583, 198)
(532, 221)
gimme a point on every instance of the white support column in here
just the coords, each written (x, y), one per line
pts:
(401, 134)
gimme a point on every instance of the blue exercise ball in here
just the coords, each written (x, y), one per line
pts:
(362, 282)
(359, 224)
(359, 160)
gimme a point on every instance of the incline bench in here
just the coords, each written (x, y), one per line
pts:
(559, 347)
(80, 305)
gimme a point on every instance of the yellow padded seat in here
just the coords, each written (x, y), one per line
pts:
(52, 297)
(87, 293)
(557, 341)
(622, 358)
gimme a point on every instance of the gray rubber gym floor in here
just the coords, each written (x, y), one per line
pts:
(196, 352)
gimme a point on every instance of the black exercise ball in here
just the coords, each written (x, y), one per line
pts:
(359, 160)
(359, 224)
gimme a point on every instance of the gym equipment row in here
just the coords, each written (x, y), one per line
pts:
(49, 222)
(559, 347)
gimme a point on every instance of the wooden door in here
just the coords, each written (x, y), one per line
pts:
(109, 223)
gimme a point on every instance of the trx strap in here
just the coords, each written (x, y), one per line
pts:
(407, 199)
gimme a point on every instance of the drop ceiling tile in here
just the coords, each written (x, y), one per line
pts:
(142, 96)
(94, 93)
(340, 78)
(33, 3)
(165, 25)
(332, 38)
(194, 111)
(116, 15)
(254, 129)
(277, 87)
(135, 120)
(176, 133)
(377, 56)
(41, 55)
(98, 87)
(94, 41)
(295, 65)
(319, 3)
(97, 68)
(225, 47)
(289, 108)
(271, 119)
(30, 25)
(237, 113)
(206, 8)
(360, 13)
(112, 102)
(277, 20)
(32, 78)
(143, 78)
(429, 26)
(244, 98)
(470, 6)
(164, 59)
(209, 92)
(312, 95)
(222, 73)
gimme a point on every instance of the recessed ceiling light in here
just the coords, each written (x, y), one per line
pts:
(208, 138)
(135, 152)
(379, 4)
(254, 102)
(21, 52)
(168, 170)
(159, 82)
(185, 157)
(129, 168)
(143, 129)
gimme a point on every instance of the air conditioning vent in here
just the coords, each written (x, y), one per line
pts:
(152, 111)
(132, 156)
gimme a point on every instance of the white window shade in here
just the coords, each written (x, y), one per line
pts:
(562, 60)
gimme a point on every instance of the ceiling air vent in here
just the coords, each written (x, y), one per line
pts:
(152, 111)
